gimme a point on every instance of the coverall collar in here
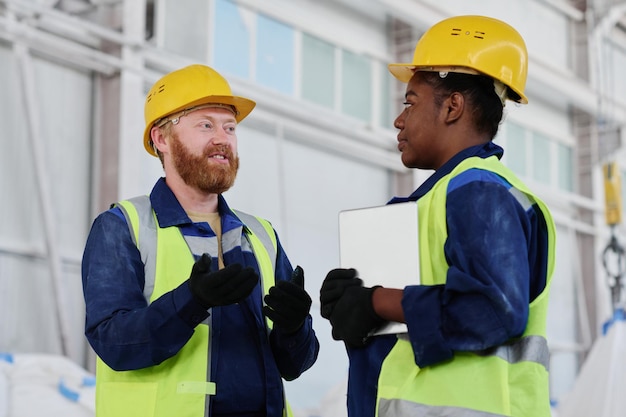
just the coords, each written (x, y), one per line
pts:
(483, 151)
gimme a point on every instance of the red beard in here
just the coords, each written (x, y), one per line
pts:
(197, 170)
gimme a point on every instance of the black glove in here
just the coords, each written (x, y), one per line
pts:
(223, 287)
(287, 303)
(354, 318)
(333, 287)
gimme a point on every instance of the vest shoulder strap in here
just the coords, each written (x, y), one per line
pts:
(262, 238)
(261, 229)
(142, 226)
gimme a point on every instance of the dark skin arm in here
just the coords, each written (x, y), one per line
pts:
(387, 304)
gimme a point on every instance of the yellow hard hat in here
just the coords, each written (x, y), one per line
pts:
(188, 87)
(471, 44)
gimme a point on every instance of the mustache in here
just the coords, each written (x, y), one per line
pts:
(223, 149)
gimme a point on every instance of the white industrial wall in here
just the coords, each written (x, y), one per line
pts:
(45, 113)
(301, 164)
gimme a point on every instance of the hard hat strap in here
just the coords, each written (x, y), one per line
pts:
(501, 90)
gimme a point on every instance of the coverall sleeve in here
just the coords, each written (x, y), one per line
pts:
(121, 327)
(485, 299)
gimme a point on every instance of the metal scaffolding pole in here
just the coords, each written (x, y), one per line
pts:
(27, 81)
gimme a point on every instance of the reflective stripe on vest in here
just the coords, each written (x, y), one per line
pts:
(154, 391)
(508, 380)
(408, 408)
(528, 348)
(263, 241)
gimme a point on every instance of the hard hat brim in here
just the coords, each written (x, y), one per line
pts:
(403, 72)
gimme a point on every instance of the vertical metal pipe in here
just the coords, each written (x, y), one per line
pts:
(26, 77)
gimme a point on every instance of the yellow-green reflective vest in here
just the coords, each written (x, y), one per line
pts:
(508, 380)
(181, 385)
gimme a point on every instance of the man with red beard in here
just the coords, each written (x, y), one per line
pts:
(193, 308)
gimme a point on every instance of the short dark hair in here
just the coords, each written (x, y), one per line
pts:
(487, 108)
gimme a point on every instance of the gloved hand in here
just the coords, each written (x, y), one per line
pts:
(223, 287)
(333, 287)
(287, 303)
(353, 316)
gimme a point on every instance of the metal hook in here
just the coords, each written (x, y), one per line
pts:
(615, 278)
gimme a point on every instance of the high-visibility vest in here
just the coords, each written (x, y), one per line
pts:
(507, 380)
(180, 385)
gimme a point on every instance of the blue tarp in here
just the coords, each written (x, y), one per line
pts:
(44, 385)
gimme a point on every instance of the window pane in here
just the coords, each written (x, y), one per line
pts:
(385, 104)
(541, 158)
(193, 15)
(356, 89)
(515, 150)
(231, 39)
(566, 168)
(318, 71)
(275, 55)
